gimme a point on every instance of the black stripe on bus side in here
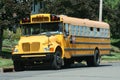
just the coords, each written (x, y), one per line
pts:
(81, 55)
(90, 43)
(74, 49)
(92, 37)
(105, 49)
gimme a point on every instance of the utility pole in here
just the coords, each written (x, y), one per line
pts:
(100, 10)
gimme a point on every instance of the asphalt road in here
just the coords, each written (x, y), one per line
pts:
(106, 71)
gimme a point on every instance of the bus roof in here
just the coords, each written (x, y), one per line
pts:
(84, 22)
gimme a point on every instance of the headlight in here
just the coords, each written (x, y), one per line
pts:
(46, 49)
(15, 50)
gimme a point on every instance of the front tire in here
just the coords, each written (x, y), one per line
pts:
(57, 61)
(18, 66)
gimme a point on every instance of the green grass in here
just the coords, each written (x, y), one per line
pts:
(5, 63)
(115, 45)
(114, 56)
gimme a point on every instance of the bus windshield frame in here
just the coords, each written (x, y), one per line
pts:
(42, 28)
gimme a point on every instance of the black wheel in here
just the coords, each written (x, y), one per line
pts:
(97, 58)
(18, 66)
(94, 60)
(57, 61)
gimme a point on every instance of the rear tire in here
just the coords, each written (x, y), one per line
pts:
(94, 60)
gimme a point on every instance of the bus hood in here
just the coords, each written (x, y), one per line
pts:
(31, 39)
(36, 44)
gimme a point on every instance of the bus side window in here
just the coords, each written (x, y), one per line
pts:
(72, 30)
(86, 31)
(95, 32)
(91, 32)
(81, 30)
(77, 31)
(106, 32)
(102, 32)
(98, 32)
(66, 30)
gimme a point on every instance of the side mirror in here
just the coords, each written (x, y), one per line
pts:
(67, 33)
(72, 39)
(48, 34)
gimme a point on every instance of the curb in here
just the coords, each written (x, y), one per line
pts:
(3, 70)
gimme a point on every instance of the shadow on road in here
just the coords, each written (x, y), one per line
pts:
(77, 65)
(80, 65)
(105, 65)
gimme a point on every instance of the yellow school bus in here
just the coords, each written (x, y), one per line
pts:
(59, 40)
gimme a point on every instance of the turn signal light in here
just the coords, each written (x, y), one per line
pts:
(51, 49)
(24, 20)
(55, 18)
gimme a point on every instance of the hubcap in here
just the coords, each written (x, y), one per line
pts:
(58, 59)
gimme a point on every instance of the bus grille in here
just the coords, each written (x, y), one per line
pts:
(27, 47)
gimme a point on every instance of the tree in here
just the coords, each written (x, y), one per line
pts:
(75, 8)
(11, 11)
(111, 14)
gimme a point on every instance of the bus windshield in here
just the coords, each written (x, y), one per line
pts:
(41, 29)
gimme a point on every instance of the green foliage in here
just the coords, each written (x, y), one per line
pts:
(6, 63)
(111, 14)
(112, 3)
(10, 35)
(115, 45)
(114, 56)
(75, 8)
(9, 8)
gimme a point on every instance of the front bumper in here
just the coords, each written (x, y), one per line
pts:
(33, 57)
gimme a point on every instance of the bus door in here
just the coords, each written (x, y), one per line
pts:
(69, 40)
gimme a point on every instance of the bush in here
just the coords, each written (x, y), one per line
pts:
(115, 45)
(10, 35)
